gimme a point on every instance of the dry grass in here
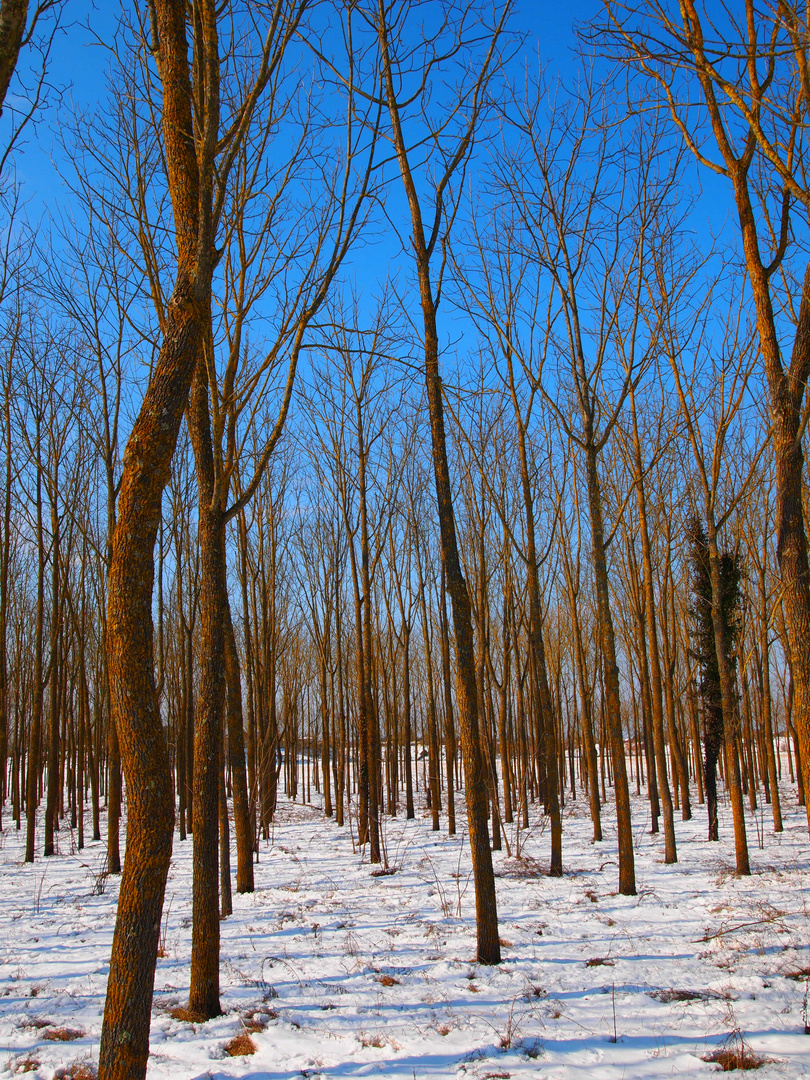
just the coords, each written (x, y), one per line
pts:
(524, 867)
(62, 1034)
(34, 1022)
(798, 976)
(180, 1012)
(377, 1041)
(256, 1020)
(240, 1046)
(736, 1057)
(81, 1070)
(24, 1065)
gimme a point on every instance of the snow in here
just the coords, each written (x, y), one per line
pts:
(350, 974)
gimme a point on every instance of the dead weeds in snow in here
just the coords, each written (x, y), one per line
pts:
(24, 1065)
(62, 1034)
(186, 1016)
(256, 1020)
(80, 1070)
(240, 1045)
(731, 1058)
(35, 1023)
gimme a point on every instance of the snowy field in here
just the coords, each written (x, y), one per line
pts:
(330, 971)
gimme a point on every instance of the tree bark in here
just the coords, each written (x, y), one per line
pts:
(236, 759)
(607, 641)
(656, 690)
(135, 713)
(489, 949)
(147, 460)
(203, 998)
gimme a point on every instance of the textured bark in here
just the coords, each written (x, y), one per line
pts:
(489, 949)
(325, 741)
(787, 390)
(147, 461)
(767, 721)
(203, 998)
(225, 893)
(406, 708)
(586, 717)
(32, 777)
(542, 704)
(729, 706)
(13, 15)
(114, 793)
(5, 550)
(449, 721)
(243, 823)
(125, 1033)
(434, 794)
(53, 786)
(786, 384)
(371, 724)
(656, 690)
(607, 641)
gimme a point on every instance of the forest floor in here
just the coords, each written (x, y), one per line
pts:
(333, 971)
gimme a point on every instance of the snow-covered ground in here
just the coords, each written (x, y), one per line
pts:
(336, 972)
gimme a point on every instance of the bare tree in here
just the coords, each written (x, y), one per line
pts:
(402, 64)
(750, 68)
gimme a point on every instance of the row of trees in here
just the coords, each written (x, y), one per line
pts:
(525, 511)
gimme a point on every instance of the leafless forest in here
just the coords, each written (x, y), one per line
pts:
(390, 417)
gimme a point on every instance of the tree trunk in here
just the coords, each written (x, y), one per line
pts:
(147, 460)
(656, 690)
(627, 873)
(203, 998)
(236, 759)
(730, 723)
(135, 713)
(489, 949)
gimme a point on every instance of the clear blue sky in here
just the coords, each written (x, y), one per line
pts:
(79, 63)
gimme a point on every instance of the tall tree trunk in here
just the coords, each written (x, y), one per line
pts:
(204, 984)
(5, 553)
(773, 782)
(38, 688)
(449, 723)
(147, 460)
(125, 1032)
(610, 668)
(656, 690)
(52, 791)
(730, 714)
(406, 708)
(489, 949)
(236, 760)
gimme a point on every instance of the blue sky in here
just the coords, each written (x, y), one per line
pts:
(80, 59)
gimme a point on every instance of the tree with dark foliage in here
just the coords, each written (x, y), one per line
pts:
(706, 651)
